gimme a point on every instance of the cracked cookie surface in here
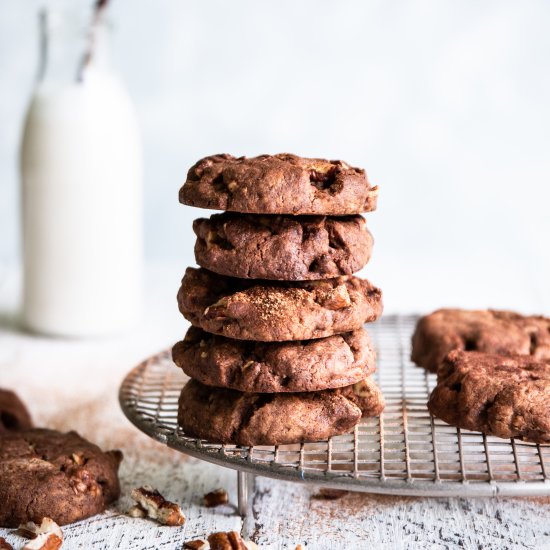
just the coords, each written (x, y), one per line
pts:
(310, 365)
(275, 311)
(227, 416)
(494, 394)
(44, 473)
(490, 331)
(291, 248)
(278, 184)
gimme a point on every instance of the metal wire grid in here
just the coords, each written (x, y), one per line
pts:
(405, 451)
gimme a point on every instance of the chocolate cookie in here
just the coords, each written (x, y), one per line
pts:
(13, 413)
(289, 248)
(494, 394)
(44, 473)
(227, 416)
(274, 311)
(266, 367)
(278, 184)
(502, 332)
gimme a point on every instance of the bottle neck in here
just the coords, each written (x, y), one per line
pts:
(71, 45)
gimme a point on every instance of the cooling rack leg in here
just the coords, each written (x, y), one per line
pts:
(245, 482)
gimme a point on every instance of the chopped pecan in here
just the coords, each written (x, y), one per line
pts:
(157, 507)
(44, 542)
(5, 545)
(337, 298)
(30, 530)
(226, 541)
(46, 536)
(78, 458)
(216, 498)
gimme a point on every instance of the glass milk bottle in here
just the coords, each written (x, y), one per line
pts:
(81, 177)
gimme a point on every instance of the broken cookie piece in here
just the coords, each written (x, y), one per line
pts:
(156, 507)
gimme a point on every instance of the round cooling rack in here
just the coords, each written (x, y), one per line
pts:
(405, 451)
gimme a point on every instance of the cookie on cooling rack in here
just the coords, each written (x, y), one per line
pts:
(227, 416)
(275, 310)
(44, 473)
(278, 184)
(13, 413)
(494, 394)
(300, 366)
(290, 248)
(500, 332)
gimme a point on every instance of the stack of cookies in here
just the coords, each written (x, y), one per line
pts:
(277, 352)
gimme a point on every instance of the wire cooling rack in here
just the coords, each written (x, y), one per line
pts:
(405, 451)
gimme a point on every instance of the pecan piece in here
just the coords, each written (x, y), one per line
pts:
(337, 298)
(46, 536)
(226, 541)
(5, 545)
(216, 498)
(157, 507)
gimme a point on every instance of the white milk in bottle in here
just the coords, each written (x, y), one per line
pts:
(81, 173)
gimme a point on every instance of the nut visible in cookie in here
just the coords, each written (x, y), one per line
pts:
(289, 248)
(157, 507)
(278, 184)
(489, 331)
(5, 545)
(494, 394)
(275, 311)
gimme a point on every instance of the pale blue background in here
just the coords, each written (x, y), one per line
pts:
(446, 103)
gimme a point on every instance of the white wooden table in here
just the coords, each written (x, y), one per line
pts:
(74, 384)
